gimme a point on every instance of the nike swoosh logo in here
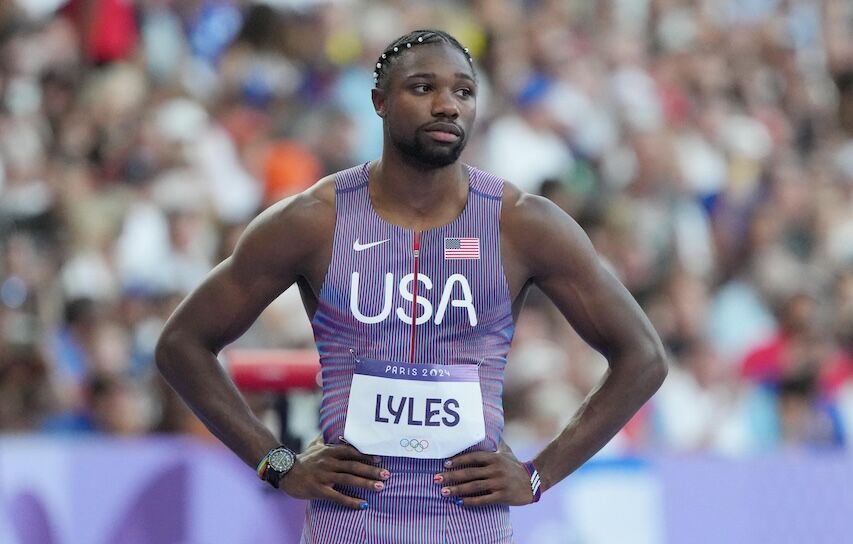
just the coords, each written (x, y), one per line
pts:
(361, 247)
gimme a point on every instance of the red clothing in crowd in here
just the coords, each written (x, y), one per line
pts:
(108, 28)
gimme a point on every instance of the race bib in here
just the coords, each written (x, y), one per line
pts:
(425, 411)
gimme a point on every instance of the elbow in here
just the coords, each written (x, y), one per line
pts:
(179, 347)
(646, 363)
(165, 352)
(661, 369)
(655, 366)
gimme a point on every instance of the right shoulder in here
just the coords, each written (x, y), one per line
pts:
(308, 210)
(314, 203)
(292, 229)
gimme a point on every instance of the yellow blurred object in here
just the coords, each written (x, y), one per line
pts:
(343, 47)
(744, 174)
(471, 35)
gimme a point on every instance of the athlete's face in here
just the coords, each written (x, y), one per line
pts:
(428, 104)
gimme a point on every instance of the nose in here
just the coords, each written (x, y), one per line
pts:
(445, 105)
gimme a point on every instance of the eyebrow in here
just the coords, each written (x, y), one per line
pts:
(431, 75)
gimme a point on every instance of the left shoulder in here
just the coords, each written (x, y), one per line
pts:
(540, 231)
(525, 209)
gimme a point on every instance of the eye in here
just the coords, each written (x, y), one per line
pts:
(465, 92)
(421, 88)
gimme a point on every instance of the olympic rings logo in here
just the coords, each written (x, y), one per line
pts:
(413, 444)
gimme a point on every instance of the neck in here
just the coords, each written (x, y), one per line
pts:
(415, 196)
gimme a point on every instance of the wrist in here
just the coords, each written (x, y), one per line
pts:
(275, 465)
(535, 480)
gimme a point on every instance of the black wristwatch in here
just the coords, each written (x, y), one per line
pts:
(275, 465)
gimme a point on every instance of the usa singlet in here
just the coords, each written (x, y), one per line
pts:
(462, 314)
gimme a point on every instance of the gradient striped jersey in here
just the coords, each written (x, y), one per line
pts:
(462, 316)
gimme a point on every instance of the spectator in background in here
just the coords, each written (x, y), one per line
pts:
(796, 349)
(25, 389)
(837, 379)
(528, 132)
(107, 28)
(73, 342)
(116, 406)
(805, 419)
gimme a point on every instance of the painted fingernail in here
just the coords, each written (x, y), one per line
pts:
(364, 506)
(448, 463)
(385, 474)
(379, 486)
(438, 478)
(457, 501)
(445, 492)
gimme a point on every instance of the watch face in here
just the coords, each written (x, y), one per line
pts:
(281, 460)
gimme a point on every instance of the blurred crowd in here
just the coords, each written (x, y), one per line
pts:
(706, 147)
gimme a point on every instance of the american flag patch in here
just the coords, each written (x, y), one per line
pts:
(461, 248)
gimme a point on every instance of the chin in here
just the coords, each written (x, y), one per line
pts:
(438, 161)
(439, 157)
(427, 154)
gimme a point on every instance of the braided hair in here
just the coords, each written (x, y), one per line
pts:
(406, 42)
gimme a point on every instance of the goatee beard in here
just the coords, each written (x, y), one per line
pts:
(429, 156)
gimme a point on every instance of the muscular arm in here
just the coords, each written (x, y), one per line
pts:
(269, 258)
(291, 240)
(543, 245)
(561, 260)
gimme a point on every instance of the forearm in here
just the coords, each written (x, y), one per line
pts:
(196, 375)
(623, 390)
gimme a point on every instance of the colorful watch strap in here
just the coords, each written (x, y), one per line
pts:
(262, 467)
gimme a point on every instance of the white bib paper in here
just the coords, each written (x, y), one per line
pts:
(425, 411)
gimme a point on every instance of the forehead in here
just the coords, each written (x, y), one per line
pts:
(441, 59)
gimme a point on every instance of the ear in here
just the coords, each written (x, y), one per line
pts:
(378, 97)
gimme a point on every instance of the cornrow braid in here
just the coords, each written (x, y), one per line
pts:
(406, 42)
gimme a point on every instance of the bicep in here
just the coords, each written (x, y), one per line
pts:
(569, 271)
(235, 293)
(224, 305)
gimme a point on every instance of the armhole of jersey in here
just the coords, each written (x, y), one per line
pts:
(321, 292)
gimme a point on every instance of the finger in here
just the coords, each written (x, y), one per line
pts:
(482, 500)
(471, 488)
(358, 468)
(345, 451)
(473, 458)
(344, 500)
(463, 475)
(355, 481)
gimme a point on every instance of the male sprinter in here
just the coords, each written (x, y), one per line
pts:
(413, 269)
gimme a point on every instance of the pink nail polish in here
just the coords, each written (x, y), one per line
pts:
(385, 474)
(445, 492)
(379, 486)
(438, 478)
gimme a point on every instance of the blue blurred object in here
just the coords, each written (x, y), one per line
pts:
(352, 95)
(217, 24)
(534, 90)
(257, 89)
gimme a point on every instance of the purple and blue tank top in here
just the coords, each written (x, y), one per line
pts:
(463, 317)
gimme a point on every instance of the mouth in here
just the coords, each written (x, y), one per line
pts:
(444, 132)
